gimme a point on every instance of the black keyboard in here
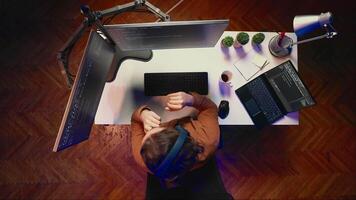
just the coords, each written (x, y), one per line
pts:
(264, 100)
(160, 84)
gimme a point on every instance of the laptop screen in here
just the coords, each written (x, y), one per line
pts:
(288, 87)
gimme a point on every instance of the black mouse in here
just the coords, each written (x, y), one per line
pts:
(223, 109)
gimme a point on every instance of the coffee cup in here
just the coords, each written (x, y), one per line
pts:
(226, 77)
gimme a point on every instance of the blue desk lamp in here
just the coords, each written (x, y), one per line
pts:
(303, 24)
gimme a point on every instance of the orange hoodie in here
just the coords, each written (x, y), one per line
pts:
(204, 129)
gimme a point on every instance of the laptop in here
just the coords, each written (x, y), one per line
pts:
(273, 94)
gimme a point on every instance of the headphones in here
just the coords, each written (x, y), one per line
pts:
(162, 169)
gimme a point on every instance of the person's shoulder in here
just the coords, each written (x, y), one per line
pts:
(185, 120)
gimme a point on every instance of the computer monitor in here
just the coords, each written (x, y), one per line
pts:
(167, 35)
(100, 63)
(86, 92)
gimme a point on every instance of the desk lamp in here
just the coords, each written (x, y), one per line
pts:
(281, 45)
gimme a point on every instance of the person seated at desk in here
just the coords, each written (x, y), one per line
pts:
(193, 172)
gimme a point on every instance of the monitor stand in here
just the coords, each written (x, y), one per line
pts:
(93, 18)
(121, 56)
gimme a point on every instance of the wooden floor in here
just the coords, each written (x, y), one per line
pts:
(315, 160)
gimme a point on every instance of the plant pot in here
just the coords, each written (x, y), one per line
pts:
(223, 45)
(237, 44)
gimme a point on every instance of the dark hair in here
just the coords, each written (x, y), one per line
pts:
(157, 146)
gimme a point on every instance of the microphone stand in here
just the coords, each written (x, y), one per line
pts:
(94, 18)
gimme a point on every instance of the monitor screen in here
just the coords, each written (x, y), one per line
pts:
(167, 35)
(86, 92)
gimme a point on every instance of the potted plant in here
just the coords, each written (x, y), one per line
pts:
(227, 41)
(242, 38)
(258, 38)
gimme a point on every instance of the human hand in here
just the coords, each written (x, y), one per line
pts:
(149, 119)
(178, 100)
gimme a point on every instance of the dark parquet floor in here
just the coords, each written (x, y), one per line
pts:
(315, 160)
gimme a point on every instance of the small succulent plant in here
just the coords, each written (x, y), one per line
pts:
(242, 38)
(227, 41)
(258, 38)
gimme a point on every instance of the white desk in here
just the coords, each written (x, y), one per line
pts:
(121, 97)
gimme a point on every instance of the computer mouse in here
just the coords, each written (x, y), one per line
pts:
(223, 109)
